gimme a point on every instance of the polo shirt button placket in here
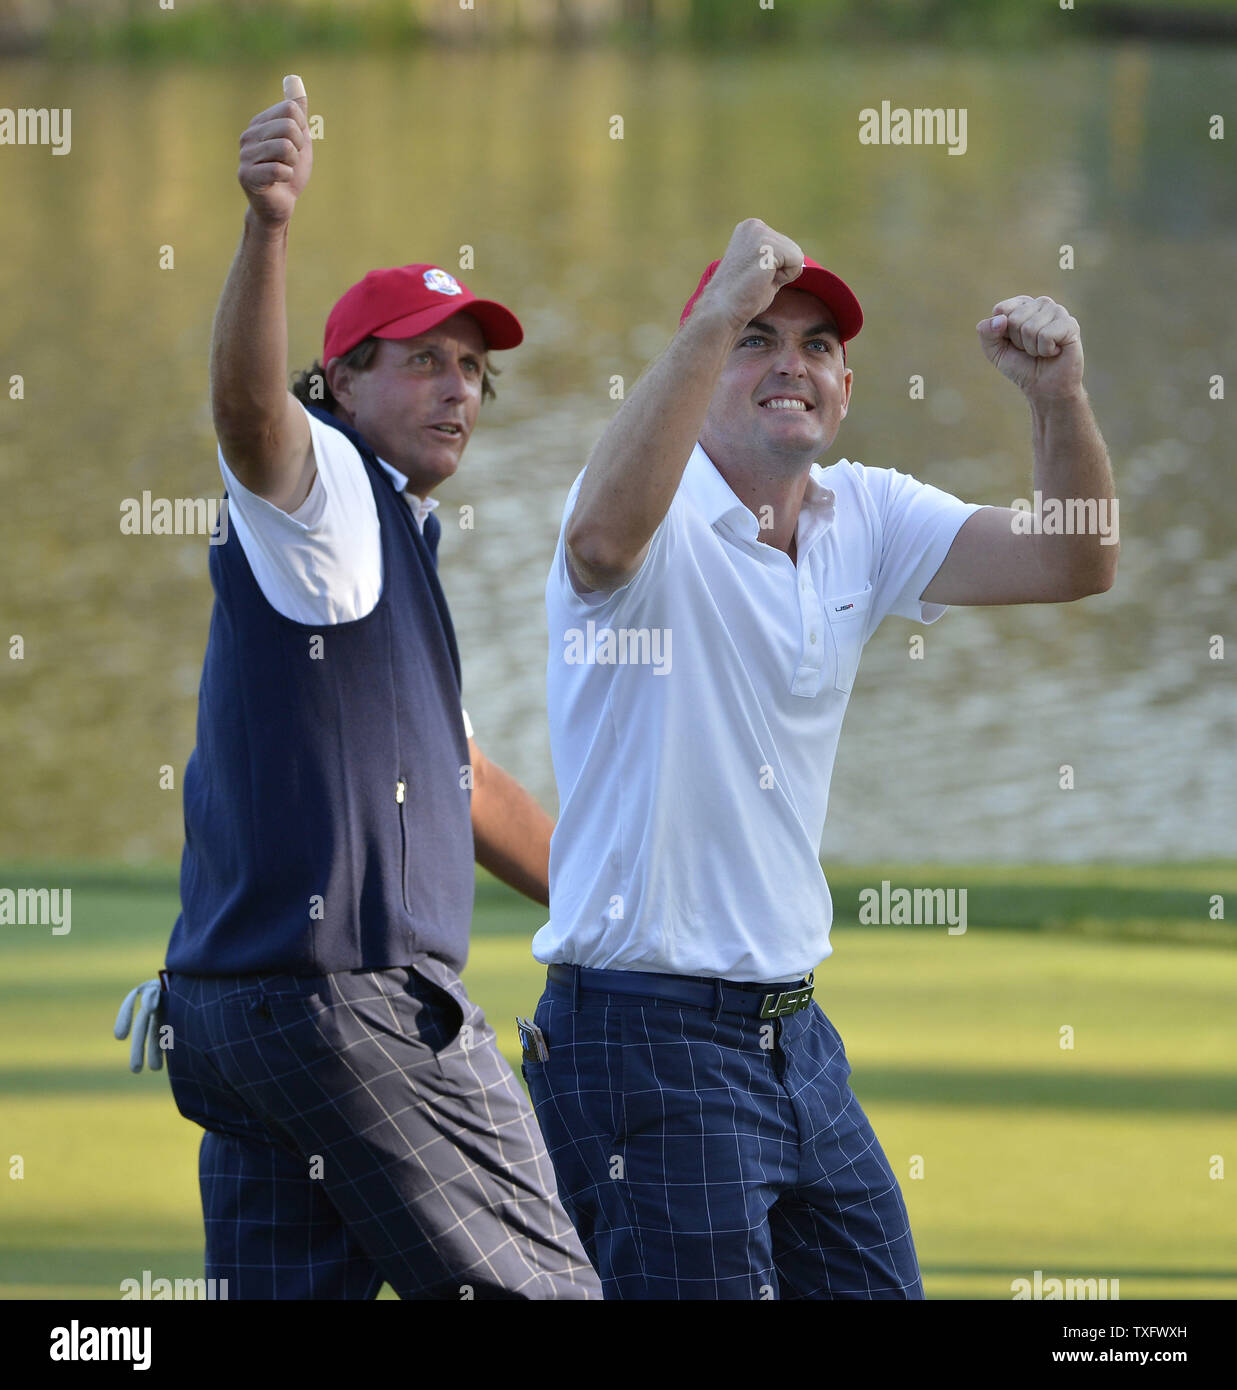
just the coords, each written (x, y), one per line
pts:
(807, 678)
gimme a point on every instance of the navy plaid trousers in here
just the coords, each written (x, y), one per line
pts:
(709, 1154)
(363, 1127)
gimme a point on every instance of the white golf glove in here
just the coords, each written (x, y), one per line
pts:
(147, 998)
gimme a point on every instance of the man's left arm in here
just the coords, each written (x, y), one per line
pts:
(511, 832)
(1002, 555)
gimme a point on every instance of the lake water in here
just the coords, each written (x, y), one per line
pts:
(596, 242)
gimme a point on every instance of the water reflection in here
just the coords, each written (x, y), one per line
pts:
(596, 243)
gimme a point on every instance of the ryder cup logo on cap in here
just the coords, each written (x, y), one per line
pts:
(442, 282)
(406, 300)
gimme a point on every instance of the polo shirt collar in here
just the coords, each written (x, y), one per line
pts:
(714, 496)
(419, 506)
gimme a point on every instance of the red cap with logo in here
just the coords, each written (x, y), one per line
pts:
(834, 293)
(407, 300)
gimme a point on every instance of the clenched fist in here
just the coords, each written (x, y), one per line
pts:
(757, 263)
(277, 155)
(1036, 343)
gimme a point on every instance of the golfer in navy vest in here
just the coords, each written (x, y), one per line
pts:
(709, 600)
(361, 1124)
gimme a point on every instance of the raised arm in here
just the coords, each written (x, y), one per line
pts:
(638, 463)
(261, 427)
(1002, 555)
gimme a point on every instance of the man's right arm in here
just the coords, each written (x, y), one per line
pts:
(638, 463)
(261, 427)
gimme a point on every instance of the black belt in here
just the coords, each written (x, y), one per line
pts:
(763, 1001)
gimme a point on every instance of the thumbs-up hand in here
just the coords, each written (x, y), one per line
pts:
(277, 155)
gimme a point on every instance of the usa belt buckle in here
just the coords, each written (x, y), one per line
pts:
(790, 1001)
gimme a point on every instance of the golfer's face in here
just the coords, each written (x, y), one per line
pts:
(784, 389)
(418, 402)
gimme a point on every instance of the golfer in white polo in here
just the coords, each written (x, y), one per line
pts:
(711, 593)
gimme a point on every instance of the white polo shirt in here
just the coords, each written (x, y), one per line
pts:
(321, 563)
(694, 719)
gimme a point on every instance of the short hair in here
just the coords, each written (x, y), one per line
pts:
(311, 387)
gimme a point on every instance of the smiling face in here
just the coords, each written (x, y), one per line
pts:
(417, 402)
(783, 391)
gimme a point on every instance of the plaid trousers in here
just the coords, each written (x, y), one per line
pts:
(362, 1127)
(710, 1154)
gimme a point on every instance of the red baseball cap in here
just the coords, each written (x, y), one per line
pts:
(407, 300)
(834, 293)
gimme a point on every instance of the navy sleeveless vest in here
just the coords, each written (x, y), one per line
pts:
(326, 827)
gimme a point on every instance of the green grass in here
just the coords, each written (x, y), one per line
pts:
(1091, 1161)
